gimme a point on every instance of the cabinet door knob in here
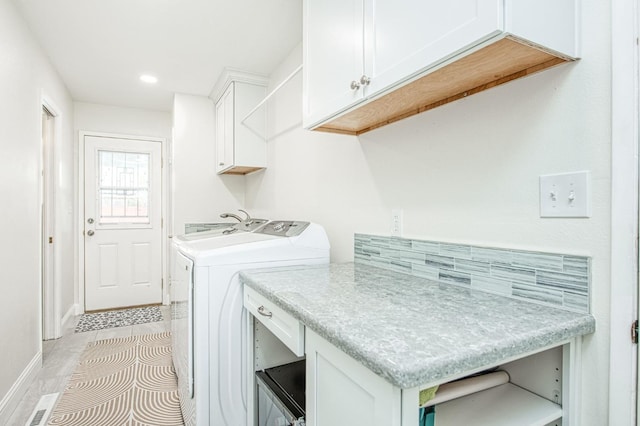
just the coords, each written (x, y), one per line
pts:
(355, 85)
(220, 164)
(364, 80)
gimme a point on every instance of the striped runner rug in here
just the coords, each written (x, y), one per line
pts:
(126, 381)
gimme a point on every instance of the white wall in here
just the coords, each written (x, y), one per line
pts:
(119, 120)
(465, 172)
(25, 74)
(199, 194)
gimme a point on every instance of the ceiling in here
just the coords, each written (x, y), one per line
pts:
(101, 47)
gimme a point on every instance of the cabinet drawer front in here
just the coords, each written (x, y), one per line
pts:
(285, 327)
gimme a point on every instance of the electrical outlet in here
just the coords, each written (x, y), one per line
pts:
(396, 222)
(565, 195)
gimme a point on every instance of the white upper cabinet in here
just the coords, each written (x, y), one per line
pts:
(402, 36)
(240, 138)
(333, 55)
(365, 51)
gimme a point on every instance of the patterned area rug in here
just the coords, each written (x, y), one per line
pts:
(118, 318)
(127, 381)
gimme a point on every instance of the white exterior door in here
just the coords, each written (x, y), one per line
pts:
(122, 222)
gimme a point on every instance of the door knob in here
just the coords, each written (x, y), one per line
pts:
(364, 80)
(90, 232)
(90, 220)
(355, 85)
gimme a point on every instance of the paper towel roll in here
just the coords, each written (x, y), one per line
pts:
(453, 390)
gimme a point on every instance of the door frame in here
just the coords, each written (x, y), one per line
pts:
(51, 292)
(165, 191)
(625, 130)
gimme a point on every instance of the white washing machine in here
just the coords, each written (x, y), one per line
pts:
(208, 325)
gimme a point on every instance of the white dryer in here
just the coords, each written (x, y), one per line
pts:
(208, 325)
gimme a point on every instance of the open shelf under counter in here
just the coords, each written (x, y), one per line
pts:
(504, 405)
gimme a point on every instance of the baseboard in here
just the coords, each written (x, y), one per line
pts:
(11, 400)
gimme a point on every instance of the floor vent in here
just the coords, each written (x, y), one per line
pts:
(37, 418)
(43, 410)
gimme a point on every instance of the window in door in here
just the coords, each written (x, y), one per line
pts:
(123, 187)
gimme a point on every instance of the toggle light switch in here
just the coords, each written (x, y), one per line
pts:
(565, 195)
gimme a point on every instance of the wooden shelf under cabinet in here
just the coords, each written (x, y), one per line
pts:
(497, 63)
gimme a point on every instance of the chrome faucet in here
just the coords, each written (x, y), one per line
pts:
(235, 216)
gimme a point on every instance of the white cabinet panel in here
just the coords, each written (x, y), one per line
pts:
(404, 37)
(549, 23)
(224, 131)
(341, 391)
(333, 55)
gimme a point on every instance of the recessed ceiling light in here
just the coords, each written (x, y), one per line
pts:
(148, 78)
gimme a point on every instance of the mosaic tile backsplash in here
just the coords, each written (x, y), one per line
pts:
(552, 279)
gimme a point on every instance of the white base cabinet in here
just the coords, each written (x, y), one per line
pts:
(542, 387)
(341, 391)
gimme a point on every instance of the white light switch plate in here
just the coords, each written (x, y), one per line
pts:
(396, 222)
(565, 195)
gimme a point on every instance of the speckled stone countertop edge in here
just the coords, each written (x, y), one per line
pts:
(446, 368)
(436, 369)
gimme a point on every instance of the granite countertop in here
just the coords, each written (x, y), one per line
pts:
(413, 331)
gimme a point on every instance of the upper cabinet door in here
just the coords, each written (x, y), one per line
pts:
(404, 37)
(225, 131)
(333, 56)
(220, 146)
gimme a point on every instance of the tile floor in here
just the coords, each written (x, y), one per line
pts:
(60, 358)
